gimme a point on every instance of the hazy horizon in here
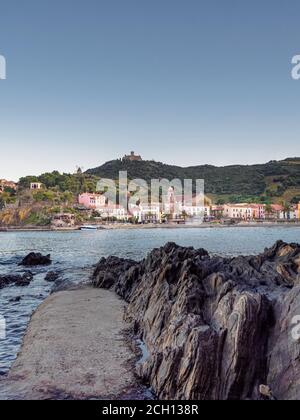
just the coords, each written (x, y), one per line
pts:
(184, 83)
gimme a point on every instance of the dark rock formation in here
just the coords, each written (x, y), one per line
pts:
(33, 259)
(16, 280)
(215, 328)
(52, 276)
(15, 299)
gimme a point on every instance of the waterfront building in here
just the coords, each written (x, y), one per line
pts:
(193, 206)
(113, 211)
(217, 211)
(244, 211)
(147, 213)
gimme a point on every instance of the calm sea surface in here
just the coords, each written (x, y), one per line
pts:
(74, 254)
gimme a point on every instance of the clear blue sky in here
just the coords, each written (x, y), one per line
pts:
(181, 81)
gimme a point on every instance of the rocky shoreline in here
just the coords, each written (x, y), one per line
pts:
(207, 328)
(214, 328)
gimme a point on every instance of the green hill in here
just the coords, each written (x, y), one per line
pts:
(273, 181)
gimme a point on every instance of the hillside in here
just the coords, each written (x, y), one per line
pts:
(273, 181)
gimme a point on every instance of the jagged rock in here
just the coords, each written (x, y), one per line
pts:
(24, 280)
(33, 259)
(215, 328)
(17, 280)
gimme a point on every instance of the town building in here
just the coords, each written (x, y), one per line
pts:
(195, 210)
(258, 211)
(280, 213)
(244, 211)
(293, 213)
(179, 205)
(36, 185)
(217, 211)
(132, 157)
(147, 213)
(92, 200)
(112, 211)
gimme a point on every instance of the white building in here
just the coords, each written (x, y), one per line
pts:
(36, 186)
(192, 206)
(147, 213)
(112, 211)
(278, 212)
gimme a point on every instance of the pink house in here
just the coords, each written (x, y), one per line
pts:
(258, 211)
(92, 201)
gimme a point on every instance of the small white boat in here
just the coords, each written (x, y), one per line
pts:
(88, 227)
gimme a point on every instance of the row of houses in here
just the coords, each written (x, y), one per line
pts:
(245, 211)
(174, 208)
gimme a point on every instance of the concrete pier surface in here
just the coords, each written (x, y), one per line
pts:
(75, 348)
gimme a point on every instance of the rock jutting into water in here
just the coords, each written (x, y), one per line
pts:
(215, 328)
(16, 280)
(33, 259)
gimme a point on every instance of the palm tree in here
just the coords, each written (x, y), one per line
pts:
(269, 210)
(286, 210)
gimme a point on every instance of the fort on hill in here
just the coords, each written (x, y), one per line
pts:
(132, 157)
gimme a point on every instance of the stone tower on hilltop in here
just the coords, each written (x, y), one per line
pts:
(132, 157)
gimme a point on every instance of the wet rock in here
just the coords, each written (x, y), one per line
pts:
(110, 269)
(34, 259)
(25, 280)
(215, 328)
(52, 276)
(16, 280)
(15, 299)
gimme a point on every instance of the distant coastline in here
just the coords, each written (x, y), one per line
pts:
(120, 226)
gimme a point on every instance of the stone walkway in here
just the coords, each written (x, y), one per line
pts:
(74, 348)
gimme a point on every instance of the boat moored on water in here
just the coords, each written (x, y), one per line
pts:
(88, 227)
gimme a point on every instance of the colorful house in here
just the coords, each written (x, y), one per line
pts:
(244, 211)
(92, 200)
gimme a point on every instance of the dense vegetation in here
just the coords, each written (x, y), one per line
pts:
(74, 183)
(268, 182)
